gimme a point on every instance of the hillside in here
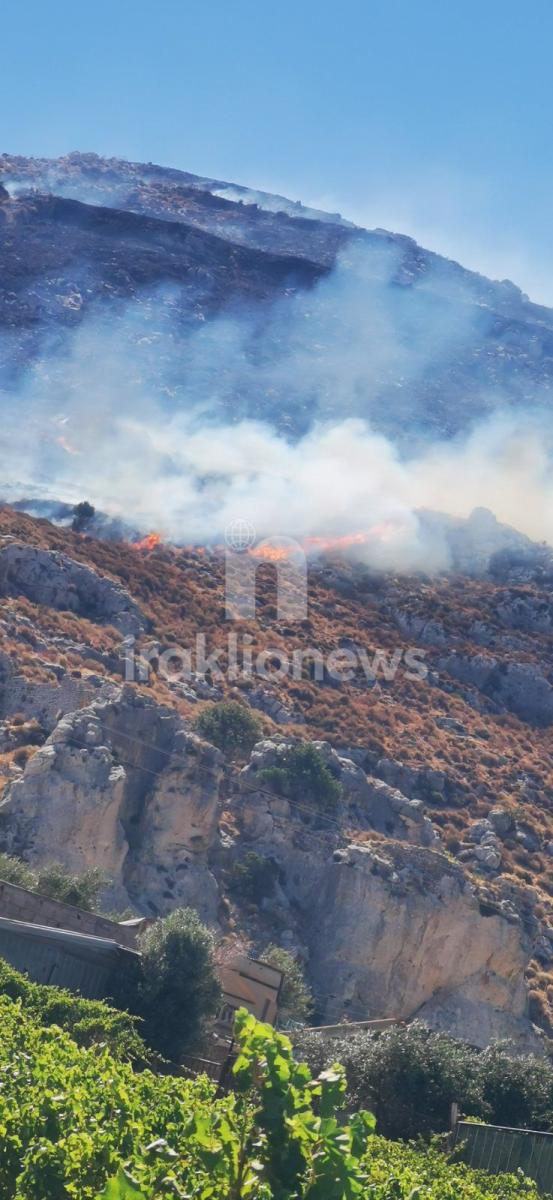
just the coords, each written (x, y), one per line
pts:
(86, 238)
(425, 889)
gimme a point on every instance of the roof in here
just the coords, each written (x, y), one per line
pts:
(77, 943)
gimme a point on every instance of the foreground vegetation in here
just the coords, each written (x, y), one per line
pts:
(87, 1021)
(75, 1124)
(409, 1076)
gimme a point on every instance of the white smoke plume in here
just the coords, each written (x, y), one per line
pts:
(176, 431)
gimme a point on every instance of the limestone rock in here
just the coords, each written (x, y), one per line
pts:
(401, 934)
(370, 803)
(501, 821)
(122, 786)
(518, 687)
(49, 578)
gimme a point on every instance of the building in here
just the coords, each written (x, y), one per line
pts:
(248, 983)
(78, 961)
(56, 943)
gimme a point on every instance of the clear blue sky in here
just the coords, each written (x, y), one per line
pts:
(434, 118)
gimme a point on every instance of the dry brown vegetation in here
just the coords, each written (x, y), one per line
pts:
(498, 760)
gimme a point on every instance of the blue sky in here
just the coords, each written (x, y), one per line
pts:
(435, 119)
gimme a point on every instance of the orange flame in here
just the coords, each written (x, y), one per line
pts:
(382, 532)
(270, 553)
(148, 543)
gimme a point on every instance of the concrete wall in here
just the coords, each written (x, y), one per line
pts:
(21, 905)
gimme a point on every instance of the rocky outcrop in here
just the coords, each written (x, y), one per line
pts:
(122, 786)
(44, 702)
(401, 933)
(517, 687)
(48, 578)
(366, 802)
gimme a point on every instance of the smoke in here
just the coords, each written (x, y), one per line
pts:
(186, 430)
(270, 202)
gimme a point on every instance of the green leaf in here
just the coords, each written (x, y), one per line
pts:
(121, 1187)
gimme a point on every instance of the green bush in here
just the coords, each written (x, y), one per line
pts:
(295, 1002)
(174, 987)
(253, 878)
(88, 1021)
(81, 890)
(302, 776)
(230, 727)
(409, 1077)
(14, 870)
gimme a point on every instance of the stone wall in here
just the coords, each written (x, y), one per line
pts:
(21, 905)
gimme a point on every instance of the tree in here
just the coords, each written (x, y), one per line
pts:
(295, 1001)
(82, 516)
(253, 877)
(175, 988)
(303, 776)
(230, 727)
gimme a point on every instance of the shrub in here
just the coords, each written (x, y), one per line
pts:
(82, 890)
(230, 727)
(302, 775)
(174, 987)
(253, 878)
(295, 1001)
(14, 870)
(52, 880)
(409, 1076)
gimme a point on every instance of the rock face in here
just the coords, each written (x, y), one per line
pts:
(370, 802)
(120, 785)
(392, 928)
(518, 687)
(402, 934)
(49, 578)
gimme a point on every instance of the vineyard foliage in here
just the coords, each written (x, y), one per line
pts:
(76, 1124)
(87, 1021)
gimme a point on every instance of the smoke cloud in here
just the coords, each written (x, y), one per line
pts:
(271, 416)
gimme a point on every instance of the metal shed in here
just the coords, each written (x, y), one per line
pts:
(77, 961)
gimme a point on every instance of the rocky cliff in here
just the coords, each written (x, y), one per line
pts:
(424, 888)
(82, 236)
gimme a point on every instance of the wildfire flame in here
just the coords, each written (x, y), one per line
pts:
(148, 543)
(273, 550)
(383, 532)
(270, 553)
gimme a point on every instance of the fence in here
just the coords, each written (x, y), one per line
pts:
(501, 1150)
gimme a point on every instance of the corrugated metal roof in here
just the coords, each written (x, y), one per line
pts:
(73, 942)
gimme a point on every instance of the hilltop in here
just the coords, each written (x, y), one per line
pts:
(84, 237)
